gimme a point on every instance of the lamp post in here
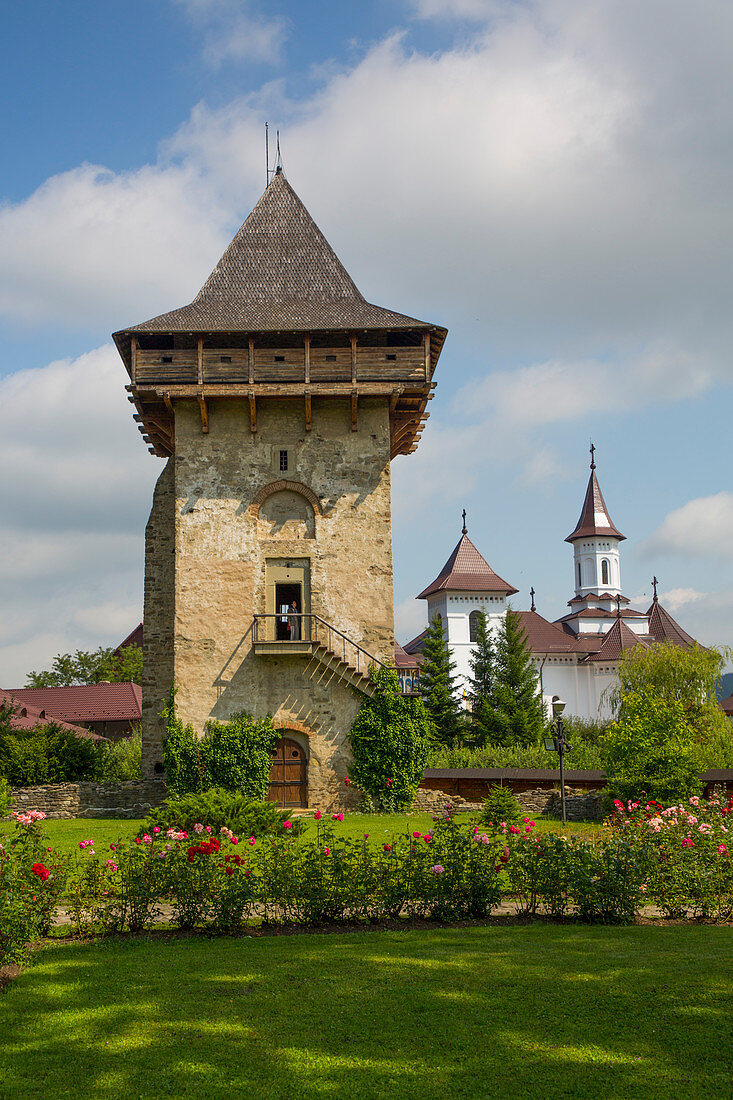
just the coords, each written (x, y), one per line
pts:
(558, 743)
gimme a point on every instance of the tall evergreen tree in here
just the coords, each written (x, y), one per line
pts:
(438, 687)
(520, 712)
(483, 721)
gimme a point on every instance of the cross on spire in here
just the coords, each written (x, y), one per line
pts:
(655, 582)
(532, 596)
(618, 607)
(592, 455)
(464, 531)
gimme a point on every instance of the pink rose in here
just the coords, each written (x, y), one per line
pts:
(318, 815)
(252, 840)
(156, 828)
(287, 824)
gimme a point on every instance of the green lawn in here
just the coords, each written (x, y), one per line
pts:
(551, 1011)
(64, 835)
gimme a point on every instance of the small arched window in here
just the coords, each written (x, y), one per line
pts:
(605, 572)
(473, 625)
(580, 579)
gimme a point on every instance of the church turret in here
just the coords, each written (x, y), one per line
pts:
(466, 586)
(595, 539)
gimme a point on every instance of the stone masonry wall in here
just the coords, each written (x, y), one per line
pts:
(134, 798)
(580, 805)
(201, 602)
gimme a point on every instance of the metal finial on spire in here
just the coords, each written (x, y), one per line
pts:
(592, 455)
(655, 582)
(465, 529)
(279, 162)
(532, 596)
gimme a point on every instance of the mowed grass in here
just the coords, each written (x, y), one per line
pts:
(551, 1011)
(64, 835)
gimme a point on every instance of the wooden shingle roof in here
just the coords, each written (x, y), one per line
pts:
(278, 274)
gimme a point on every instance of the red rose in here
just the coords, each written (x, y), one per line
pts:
(40, 870)
(230, 870)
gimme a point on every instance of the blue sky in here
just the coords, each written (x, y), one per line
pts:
(548, 179)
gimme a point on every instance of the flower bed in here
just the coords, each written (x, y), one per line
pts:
(676, 858)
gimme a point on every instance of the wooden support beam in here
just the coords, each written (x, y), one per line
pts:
(307, 363)
(252, 412)
(251, 363)
(308, 415)
(353, 359)
(168, 403)
(200, 360)
(393, 401)
(204, 413)
(133, 357)
(426, 339)
(354, 410)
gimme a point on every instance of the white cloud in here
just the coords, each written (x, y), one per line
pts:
(234, 30)
(701, 528)
(680, 597)
(76, 487)
(410, 619)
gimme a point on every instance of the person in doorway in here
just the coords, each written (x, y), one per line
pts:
(294, 622)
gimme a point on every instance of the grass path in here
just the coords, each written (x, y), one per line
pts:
(537, 1011)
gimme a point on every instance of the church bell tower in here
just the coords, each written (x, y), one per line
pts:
(278, 398)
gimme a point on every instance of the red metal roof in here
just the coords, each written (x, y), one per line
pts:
(663, 627)
(594, 517)
(134, 638)
(467, 571)
(29, 717)
(618, 638)
(415, 644)
(87, 702)
(545, 637)
(598, 596)
(402, 659)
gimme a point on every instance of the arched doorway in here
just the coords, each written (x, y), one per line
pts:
(288, 774)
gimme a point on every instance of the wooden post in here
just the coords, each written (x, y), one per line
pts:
(200, 360)
(251, 362)
(204, 413)
(307, 359)
(308, 420)
(354, 410)
(353, 359)
(252, 412)
(426, 339)
(133, 358)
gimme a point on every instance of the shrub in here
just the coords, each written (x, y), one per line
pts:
(122, 759)
(538, 873)
(242, 816)
(500, 805)
(650, 750)
(49, 754)
(389, 742)
(31, 880)
(233, 755)
(4, 797)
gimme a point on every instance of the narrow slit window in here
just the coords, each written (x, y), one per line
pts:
(166, 358)
(279, 358)
(604, 572)
(225, 358)
(330, 358)
(391, 358)
(283, 462)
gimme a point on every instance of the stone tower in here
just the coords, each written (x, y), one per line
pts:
(279, 397)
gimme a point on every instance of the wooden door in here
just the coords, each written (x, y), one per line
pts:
(288, 774)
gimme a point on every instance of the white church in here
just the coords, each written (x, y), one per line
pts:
(576, 656)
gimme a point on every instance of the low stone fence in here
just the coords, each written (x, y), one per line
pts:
(133, 798)
(581, 805)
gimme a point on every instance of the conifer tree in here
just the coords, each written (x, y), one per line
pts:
(438, 687)
(520, 712)
(483, 700)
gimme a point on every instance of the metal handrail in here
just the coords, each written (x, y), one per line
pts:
(316, 620)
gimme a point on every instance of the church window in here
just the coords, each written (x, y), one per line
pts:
(283, 462)
(604, 572)
(473, 621)
(580, 579)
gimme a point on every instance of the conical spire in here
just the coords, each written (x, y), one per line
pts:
(278, 273)
(467, 571)
(594, 517)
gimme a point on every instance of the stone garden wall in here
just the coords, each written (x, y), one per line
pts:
(581, 805)
(134, 798)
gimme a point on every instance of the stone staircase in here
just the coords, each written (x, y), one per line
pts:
(324, 666)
